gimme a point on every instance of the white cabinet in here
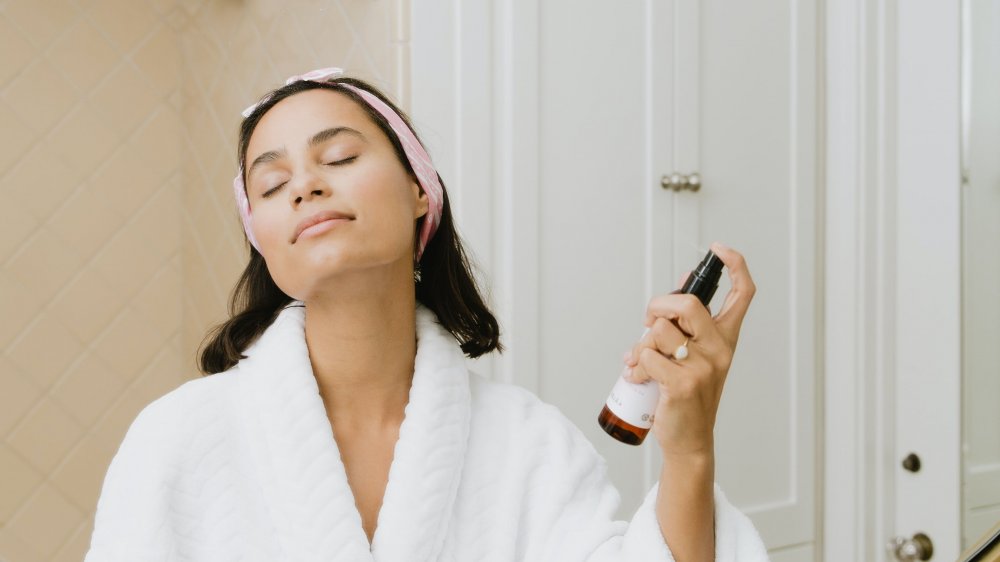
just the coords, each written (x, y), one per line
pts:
(552, 123)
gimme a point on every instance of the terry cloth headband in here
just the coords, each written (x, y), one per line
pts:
(420, 161)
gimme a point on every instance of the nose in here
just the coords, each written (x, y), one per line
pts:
(305, 185)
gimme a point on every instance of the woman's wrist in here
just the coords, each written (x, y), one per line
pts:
(694, 462)
(685, 504)
(691, 452)
(690, 473)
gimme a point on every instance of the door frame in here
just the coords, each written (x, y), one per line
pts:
(892, 209)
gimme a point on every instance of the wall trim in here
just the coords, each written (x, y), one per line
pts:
(889, 169)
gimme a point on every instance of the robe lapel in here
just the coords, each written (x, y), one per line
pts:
(303, 478)
(427, 461)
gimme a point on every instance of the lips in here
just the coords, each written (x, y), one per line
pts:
(316, 219)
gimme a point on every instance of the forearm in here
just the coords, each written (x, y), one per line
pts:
(685, 507)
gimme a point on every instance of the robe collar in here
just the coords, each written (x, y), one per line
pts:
(303, 479)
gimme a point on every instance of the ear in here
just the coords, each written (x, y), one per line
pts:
(423, 204)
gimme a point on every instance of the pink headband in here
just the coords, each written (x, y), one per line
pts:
(420, 161)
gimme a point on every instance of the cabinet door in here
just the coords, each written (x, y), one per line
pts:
(756, 85)
(590, 104)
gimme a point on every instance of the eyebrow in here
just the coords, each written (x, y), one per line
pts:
(320, 137)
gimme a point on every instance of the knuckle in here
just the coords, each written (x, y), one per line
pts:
(646, 355)
(632, 370)
(689, 304)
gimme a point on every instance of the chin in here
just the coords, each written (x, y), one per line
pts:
(323, 259)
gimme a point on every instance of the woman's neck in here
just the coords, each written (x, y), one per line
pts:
(362, 352)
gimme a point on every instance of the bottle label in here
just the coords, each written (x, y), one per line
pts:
(634, 403)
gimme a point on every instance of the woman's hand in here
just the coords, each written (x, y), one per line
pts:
(690, 388)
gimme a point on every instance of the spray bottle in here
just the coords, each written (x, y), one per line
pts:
(628, 413)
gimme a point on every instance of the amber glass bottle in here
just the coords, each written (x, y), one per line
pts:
(628, 413)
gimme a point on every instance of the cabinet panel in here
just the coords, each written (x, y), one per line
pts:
(592, 213)
(592, 103)
(758, 133)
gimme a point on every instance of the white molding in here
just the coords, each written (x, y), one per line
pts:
(859, 458)
(474, 79)
(853, 159)
(891, 167)
(516, 205)
(929, 285)
(842, 516)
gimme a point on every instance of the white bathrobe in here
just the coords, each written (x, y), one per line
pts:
(243, 466)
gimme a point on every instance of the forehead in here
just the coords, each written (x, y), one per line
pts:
(293, 120)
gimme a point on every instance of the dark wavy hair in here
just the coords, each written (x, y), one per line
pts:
(447, 285)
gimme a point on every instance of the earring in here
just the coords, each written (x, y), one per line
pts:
(416, 272)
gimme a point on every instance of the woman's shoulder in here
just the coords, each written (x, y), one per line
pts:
(493, 396)
(171, 414)
(191, 393)
(516, 408)
(513, 426)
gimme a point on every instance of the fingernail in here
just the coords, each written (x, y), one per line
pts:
(627, 357)
(626, 372)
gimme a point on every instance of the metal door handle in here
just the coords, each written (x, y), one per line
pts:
(919, 547)
(680, 182)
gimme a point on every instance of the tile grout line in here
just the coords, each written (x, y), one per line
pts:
(87, 179)
(47, 477)
(89, 346)
(87, 176)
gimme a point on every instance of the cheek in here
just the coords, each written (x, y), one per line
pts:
(393, 219)
(385, 195)
(268, 230)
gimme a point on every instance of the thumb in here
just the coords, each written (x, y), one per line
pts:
(683, 279)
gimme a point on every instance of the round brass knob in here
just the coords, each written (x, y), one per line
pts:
(912, 462)
(694, 181)
(919, 547)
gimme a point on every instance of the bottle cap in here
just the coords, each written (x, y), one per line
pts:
(704, 280)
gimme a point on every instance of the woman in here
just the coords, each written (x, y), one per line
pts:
(342, 423)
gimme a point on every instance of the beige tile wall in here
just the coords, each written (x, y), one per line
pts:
(234, 52)
(119, 243)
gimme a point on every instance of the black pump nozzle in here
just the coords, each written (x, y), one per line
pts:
(704, 280)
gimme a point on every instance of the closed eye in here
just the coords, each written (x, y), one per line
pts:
(342, 162)
(268, 193)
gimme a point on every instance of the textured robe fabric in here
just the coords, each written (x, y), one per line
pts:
(243, 466)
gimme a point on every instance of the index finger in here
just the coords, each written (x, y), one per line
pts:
(730, 318)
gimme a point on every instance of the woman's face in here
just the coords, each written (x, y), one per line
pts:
(318, 151)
